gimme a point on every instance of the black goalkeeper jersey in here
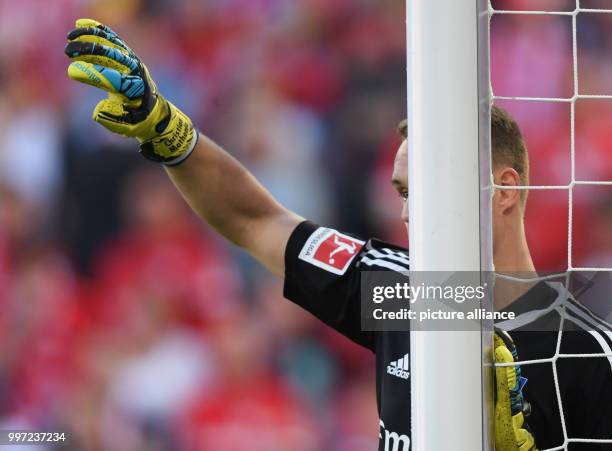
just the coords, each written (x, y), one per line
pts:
(565, 338)
(322, 275)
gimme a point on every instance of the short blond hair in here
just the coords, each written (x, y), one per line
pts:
(507, 143)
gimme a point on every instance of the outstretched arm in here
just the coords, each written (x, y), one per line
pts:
(214, 184)
(234, 203)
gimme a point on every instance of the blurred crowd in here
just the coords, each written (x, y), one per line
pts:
(127, 323)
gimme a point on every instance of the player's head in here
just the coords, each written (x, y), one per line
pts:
(511, 169)
(510, 166)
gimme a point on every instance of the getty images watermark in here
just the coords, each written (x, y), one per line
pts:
(429, 300)
(415, 300)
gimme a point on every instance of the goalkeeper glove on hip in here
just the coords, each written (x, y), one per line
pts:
(134, 108)
(511, 431)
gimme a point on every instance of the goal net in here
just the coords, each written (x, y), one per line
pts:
(565, 121)
(552, 50)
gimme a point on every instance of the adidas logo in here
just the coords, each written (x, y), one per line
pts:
(400, 367)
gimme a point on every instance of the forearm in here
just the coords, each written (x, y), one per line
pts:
(227, 196)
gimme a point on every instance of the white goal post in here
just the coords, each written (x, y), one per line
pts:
(449, 213)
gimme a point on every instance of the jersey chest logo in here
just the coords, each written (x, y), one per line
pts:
(400, 367)
(330, 250)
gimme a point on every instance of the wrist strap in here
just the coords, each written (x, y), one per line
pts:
(178, 160)
(146, 150)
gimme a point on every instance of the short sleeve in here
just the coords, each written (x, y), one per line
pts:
(322, 277)
(322, 274)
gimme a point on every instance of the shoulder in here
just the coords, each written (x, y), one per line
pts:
(584, 331)
(337, 252)
(546, 308)
(379, 255)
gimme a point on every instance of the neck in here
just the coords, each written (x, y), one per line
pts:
(512, 258)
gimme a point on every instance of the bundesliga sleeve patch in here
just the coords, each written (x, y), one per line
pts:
(330, 250)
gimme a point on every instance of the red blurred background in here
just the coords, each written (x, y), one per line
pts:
(127, 323)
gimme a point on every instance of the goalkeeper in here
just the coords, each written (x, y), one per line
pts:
(320, 266)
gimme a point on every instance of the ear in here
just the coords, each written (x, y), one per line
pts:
(506, 201)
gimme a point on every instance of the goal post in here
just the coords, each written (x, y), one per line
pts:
(449, 176)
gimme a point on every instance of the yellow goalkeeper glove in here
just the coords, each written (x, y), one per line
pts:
(511, 431)
(133, 108)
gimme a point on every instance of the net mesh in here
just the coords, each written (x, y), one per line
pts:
(573, 13)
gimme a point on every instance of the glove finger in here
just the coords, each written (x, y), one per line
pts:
(118, 117)
(111, 35)
(109, 113)
(506, 377)
(503, 376)
(502, 373)
(99, 36)
(505, 439)
(525, 440)
(503, 338)
(102, 55)
(130, 86)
